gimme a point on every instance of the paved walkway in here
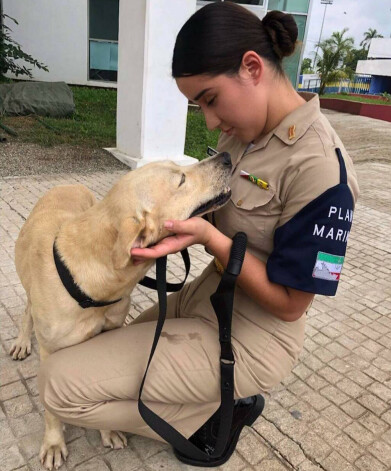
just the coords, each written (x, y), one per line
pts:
(332, 413)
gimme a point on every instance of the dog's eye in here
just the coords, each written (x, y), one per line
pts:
(183, 179)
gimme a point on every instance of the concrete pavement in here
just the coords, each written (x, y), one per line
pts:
(332, 413)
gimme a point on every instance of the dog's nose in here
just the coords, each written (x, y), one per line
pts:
(226, 157)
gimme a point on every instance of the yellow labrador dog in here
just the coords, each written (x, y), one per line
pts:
(93, 241)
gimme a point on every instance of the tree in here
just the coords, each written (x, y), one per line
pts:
(10, 51)
(350, 63)
(368, 36)
(306, 66)
(334, 52)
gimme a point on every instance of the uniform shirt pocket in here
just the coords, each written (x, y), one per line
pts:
(248, 210)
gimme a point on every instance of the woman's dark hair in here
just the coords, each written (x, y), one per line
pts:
(214, 39)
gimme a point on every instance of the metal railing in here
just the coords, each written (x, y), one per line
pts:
(360, 84)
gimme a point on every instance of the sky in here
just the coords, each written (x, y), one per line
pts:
(357, 15)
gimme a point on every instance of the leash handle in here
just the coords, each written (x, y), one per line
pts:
(238, 251)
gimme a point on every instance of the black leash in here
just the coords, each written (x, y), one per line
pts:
(222, 301)
(170, 287)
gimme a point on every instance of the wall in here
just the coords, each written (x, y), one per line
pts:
(54, 32)
(374, 67)
(380, 58)
(380, 84)
(377, 111)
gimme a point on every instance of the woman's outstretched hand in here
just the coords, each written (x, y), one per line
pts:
(185, 233)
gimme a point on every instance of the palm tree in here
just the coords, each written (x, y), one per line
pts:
(341, 45)
(368, 36)
(334, 51)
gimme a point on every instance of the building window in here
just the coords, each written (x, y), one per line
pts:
(289, 6)
(250, 2)
(259, 3)
(103, 39)
(291, 63)
(243, 2)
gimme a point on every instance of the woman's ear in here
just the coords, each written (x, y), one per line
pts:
(252, 66)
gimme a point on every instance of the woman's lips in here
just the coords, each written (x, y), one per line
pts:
(229, 131)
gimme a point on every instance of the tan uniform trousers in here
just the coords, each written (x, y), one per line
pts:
(95, 384)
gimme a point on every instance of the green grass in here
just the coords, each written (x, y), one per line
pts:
(93, 124)
(341, 96)
(198, 138)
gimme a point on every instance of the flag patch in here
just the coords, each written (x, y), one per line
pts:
(327, 266)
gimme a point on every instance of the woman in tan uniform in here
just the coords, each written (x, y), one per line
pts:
(293, 192)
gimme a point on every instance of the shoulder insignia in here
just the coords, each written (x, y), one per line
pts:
(292, 132)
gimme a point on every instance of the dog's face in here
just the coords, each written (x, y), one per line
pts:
(145, 198)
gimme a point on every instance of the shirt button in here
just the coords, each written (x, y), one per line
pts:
(240, 202)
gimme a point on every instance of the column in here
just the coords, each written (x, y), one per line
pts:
(151, 112)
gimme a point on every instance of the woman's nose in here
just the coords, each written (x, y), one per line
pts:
(211, 120)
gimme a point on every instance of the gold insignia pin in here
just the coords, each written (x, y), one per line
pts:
(292, 132)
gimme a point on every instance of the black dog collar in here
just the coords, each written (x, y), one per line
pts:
(77, 294)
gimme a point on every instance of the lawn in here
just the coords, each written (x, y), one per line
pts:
(93, 124)
(360, 99)
(198, 137)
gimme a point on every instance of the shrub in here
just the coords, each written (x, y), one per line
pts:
(10, 51)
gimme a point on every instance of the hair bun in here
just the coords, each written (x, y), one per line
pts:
(283, 32)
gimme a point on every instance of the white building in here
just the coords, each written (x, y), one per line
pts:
(378, 65)
(78, 41)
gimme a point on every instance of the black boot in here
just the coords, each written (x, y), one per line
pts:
(246, 411)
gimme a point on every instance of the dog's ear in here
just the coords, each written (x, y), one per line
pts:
(151, 231)
(128, 237)
(139, 231)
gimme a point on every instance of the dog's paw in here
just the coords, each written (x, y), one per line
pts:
(53, 455)
(20, 349)
(113, 439)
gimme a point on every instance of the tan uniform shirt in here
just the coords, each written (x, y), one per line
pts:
(299, 162)
(298, 159)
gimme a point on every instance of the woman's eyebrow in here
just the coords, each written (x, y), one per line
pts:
(201, 93)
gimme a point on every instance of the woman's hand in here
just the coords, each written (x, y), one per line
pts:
(185, 233)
